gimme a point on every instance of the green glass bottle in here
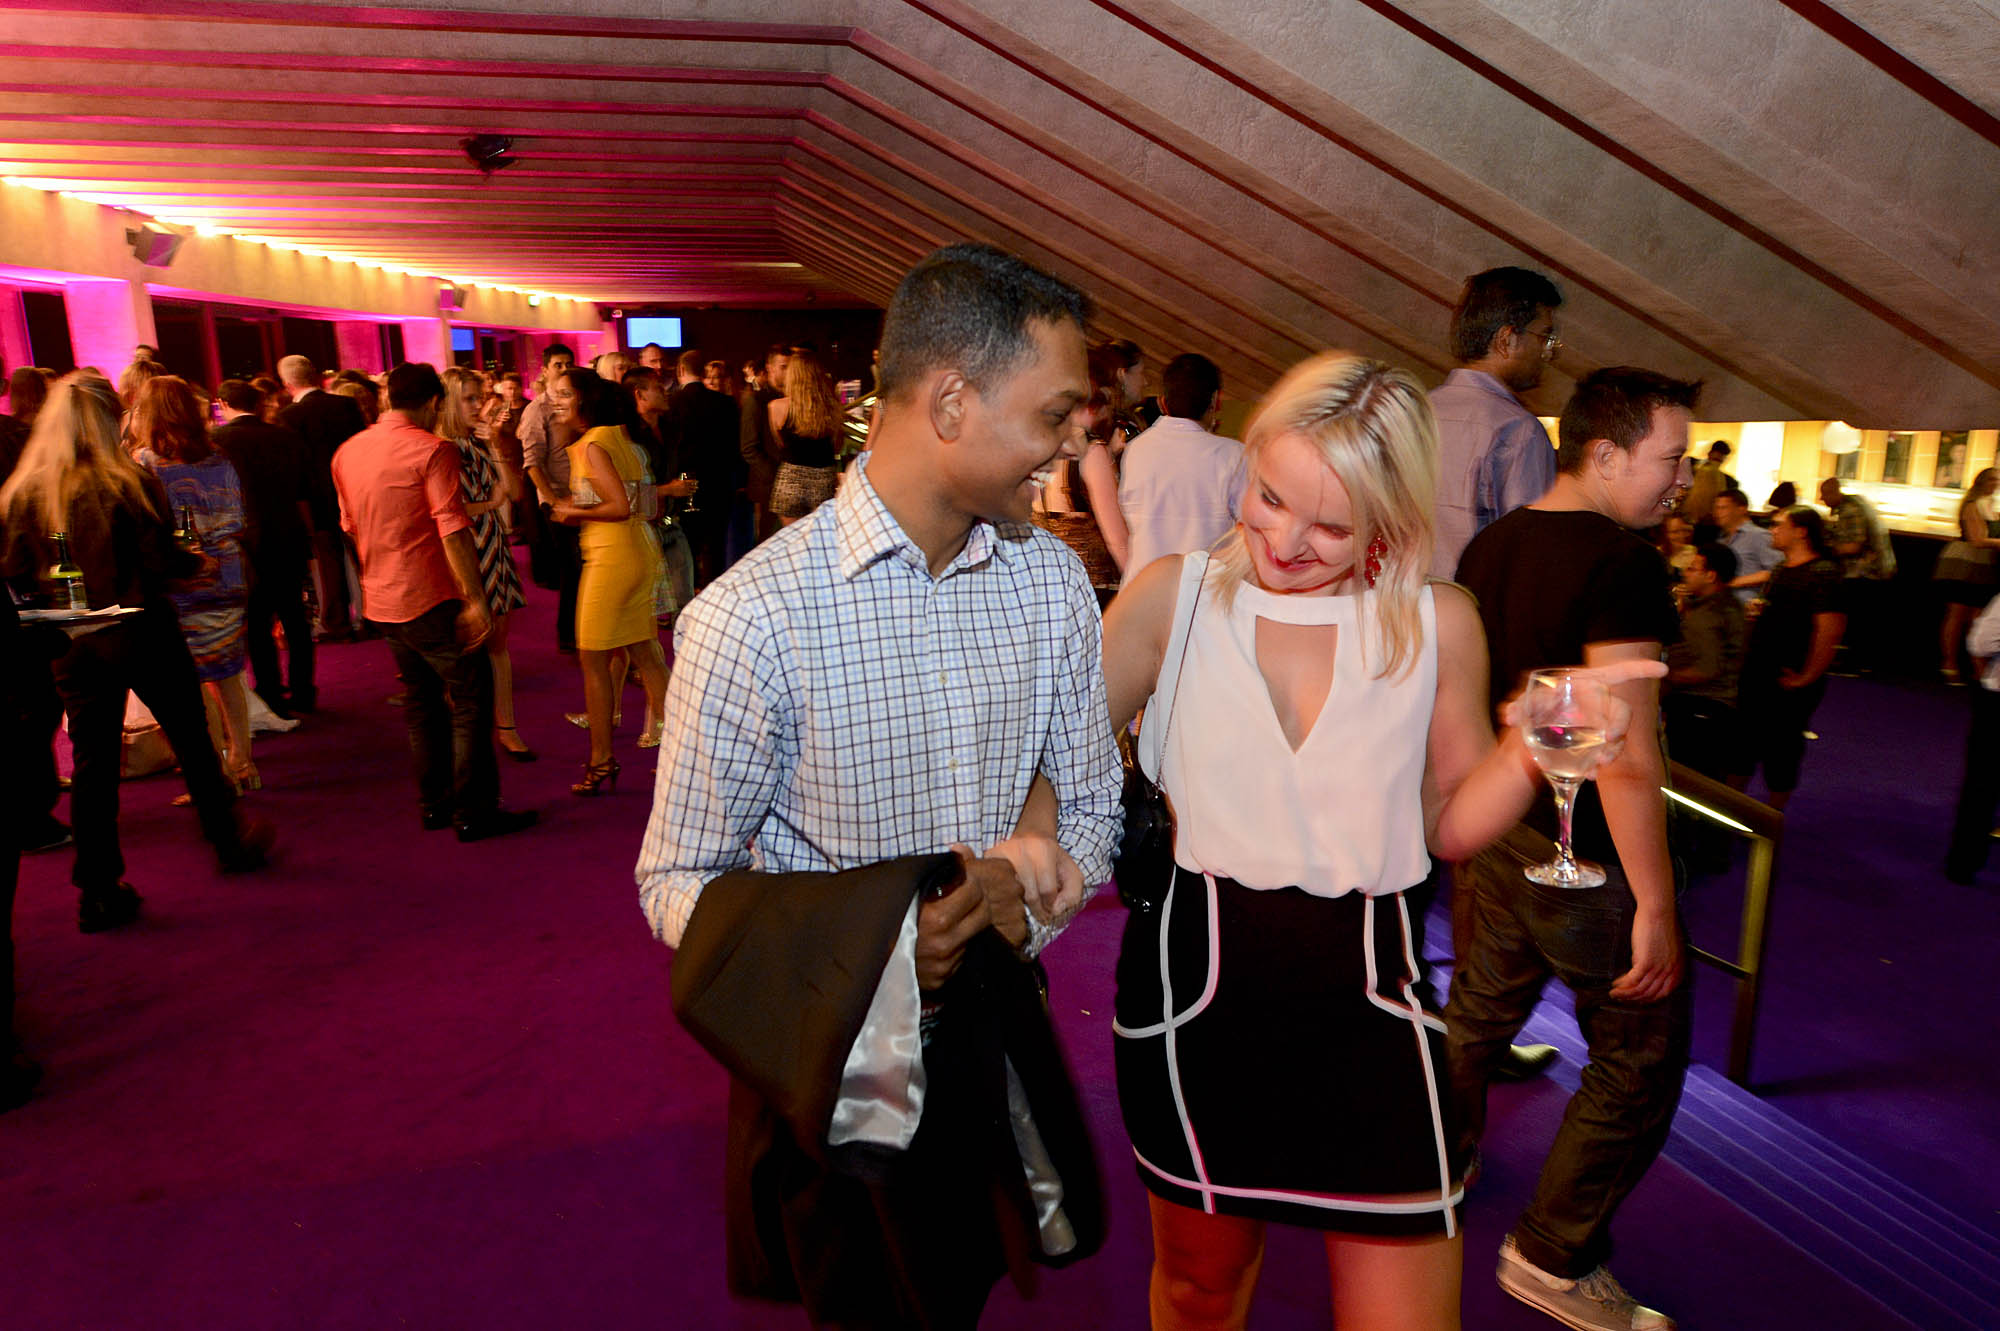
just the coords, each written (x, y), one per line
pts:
(68, 578)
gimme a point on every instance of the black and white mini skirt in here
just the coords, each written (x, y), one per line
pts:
(1279, 1058)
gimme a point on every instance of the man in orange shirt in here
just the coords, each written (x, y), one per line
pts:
(400, 502)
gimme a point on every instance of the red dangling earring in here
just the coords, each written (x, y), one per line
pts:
(1378, 550)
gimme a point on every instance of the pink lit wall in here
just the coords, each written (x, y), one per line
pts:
(14, 347)
(427, 340)
(106, 320)
(360, 343)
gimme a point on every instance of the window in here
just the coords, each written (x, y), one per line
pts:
(1896, 458)
(1953, 446)
(48, 331)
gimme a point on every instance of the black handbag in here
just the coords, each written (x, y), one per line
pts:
(1143, 864)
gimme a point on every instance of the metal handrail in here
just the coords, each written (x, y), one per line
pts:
(1764, 827)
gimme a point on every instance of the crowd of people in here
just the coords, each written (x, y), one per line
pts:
(880, 667)
(221, 540)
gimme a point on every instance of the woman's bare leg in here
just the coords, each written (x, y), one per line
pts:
(651, 663)
(1204, 1268)
(233, 705)
(503, 685)
(1395, 1284)
(597, 699)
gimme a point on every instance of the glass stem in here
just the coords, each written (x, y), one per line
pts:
(1565, 788)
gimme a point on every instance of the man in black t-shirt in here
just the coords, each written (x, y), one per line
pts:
(1567, 581)
(1791, 647)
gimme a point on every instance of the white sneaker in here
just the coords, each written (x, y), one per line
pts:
(1596, 1302)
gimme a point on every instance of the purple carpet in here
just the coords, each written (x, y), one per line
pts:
(394, 1081)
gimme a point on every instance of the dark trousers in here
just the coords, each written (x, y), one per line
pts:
(277, 592)
(147, 655)
(330, 578)
(19, 803)
(566, 549)
(1866, 647)
(1512, 936)
(10, 876)
(708, 538)
(1703, 733)
(1979, 792)
(449, 712)
(1775, 723)
(36, 712)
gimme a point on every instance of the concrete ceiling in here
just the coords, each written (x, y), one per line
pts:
(1798, 201)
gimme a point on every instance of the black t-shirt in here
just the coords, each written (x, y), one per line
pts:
(1782, 638)
(1548, 585)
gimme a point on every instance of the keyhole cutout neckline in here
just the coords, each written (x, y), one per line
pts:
(1303, 617)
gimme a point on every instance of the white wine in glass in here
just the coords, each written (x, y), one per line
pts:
(1562, 716)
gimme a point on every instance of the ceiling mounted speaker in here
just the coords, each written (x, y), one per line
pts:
(488, 152)
(153, 246)
(450, 300)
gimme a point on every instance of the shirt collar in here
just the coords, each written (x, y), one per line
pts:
(867, 532)
(1482, 380)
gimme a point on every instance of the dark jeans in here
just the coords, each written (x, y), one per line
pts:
(23, 674)
(147, 655)
(1866, 647)
(1979, 793)
(708, 538)
(330, 577)
(278, 592)
(1703, 733)
(1776, 719)
(449, 712)
(36, 712)
(1511, 936)
(566, 548)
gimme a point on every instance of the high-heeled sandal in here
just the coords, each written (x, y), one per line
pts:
(524, 754)
(581, 720)
(597, 778)
(651, 738)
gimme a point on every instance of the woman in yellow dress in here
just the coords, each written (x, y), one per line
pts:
(614, 601)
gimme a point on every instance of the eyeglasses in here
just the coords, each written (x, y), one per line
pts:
(1551, 344)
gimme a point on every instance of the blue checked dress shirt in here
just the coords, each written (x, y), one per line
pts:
(833, 705)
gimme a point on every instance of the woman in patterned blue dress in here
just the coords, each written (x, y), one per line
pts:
(170, 438)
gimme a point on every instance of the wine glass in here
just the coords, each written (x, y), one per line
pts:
(1562, 716)
(688, 507)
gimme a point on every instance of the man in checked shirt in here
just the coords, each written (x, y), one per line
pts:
(889, 675)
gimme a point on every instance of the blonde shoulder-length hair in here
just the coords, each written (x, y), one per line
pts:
(454, 422)
(1371, 423)
(75, 449)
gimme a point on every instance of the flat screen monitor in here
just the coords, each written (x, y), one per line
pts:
(664, 329)
(463, 339)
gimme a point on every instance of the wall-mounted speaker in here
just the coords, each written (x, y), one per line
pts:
(152, 246)
(450, 300)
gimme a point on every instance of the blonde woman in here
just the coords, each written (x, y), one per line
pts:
(488, 484)
(1277, 1055)
(806, 421)
(75, 478)
(134, 377)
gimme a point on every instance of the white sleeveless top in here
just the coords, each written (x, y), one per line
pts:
(1344, 813)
